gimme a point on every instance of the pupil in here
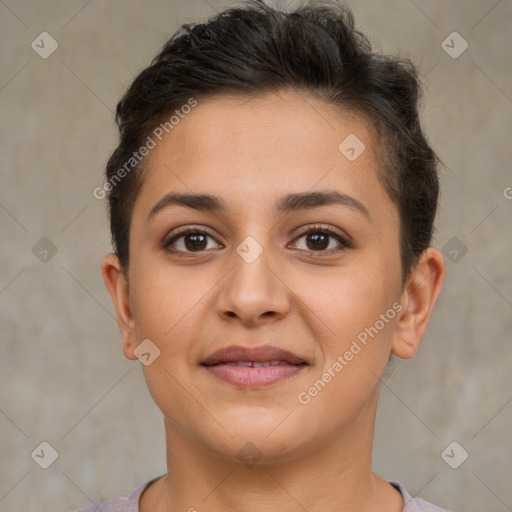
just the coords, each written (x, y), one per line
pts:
(318, 238)
(196, 244)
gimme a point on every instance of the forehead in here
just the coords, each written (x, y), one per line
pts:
(251, 149)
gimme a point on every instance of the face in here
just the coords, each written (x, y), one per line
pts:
(317, 276)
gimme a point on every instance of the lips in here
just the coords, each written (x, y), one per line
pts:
(253, 367)
(262, 354)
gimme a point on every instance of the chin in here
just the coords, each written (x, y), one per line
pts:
(265, 442)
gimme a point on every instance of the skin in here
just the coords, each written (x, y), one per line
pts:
(250, 153)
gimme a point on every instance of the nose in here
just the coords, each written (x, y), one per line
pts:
(253, 292)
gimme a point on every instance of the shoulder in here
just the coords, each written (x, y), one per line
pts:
(416, 504)
(128, 503)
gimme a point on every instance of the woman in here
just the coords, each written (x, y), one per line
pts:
(271, 203)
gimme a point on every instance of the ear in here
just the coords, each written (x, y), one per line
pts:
(419, 296)
(114, 278)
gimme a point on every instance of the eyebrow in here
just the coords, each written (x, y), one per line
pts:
(287, 204)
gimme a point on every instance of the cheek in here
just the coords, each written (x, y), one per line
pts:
(355, 350)
(350, 299)
(159, 297)
(169, 306)
(353, 319)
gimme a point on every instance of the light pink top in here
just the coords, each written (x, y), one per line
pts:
(130, 503)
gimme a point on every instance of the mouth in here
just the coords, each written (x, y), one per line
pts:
(256, 367)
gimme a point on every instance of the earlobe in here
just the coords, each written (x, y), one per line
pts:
(419, 297)
(119, 290)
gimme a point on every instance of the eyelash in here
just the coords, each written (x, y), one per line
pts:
(169, 241)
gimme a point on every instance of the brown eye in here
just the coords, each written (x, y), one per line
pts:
(321, 240)
(317, 240)
(189, 240)
(195, 241)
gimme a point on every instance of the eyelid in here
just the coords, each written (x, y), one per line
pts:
(326, 228)
(189, 228)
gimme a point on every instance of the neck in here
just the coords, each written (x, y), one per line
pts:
(334, 474)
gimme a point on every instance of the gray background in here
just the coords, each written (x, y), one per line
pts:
(63, 377)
